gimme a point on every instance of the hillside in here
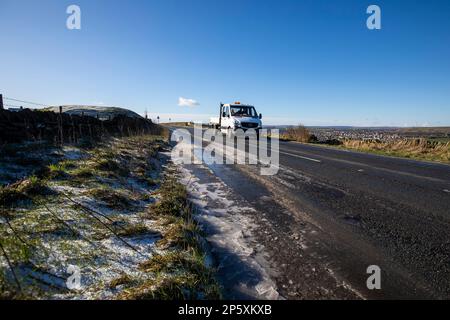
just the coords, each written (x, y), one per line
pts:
(103, 111)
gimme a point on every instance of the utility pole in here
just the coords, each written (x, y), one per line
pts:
(1, 102)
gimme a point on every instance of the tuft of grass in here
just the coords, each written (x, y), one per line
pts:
(10, 196)
(123, 279)
(299, 133)
(181, 287)
(173, 199)
(17, 251)
(60, 170)
(32, 186)
(83, 172)
(110, 166)
(112, 198)
(181, 234)
(22, 191)
(106, 160)
(175, 261)
(133, 230)
(153, 182)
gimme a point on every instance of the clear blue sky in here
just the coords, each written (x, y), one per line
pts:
(313, 62)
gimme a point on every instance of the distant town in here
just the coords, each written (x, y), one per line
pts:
(385, 134)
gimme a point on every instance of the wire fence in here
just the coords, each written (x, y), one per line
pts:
(26, 102)
(18, 103)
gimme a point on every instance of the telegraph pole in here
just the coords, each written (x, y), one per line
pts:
(1, 102)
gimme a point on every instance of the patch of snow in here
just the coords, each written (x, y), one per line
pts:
(228, 225)
(71, 153)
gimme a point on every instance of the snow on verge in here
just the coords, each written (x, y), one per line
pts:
(229, 233)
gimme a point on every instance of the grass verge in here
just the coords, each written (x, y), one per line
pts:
(418, 149)
(115, 207)
(181, 272)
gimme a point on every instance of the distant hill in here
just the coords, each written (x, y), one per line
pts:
(102, 111)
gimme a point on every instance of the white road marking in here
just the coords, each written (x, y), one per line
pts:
(360, 170)
(445, 190)
(301, 157)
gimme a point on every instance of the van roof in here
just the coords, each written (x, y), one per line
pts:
(237, 105)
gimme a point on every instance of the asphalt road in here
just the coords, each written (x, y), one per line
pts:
(351, 210)
(396, 210)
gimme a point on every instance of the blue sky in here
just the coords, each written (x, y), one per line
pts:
(311, 62)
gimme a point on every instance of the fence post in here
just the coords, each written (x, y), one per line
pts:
(1, 102)
(61, 137)
(74, 137)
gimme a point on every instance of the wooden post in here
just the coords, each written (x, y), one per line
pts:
(61, 134)
(1, 102)
(74, 133)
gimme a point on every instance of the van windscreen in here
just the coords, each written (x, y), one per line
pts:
(243, 112)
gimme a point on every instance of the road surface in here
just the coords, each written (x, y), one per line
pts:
(335, 212)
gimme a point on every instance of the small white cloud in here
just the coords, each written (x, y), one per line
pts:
(184, 102)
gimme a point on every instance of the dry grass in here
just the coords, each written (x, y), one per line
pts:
(180, 275)
(112, 198)
(299, 133)
(123, 279)
(179, 272)
(132, 230)
(180, 287)
(173, 199)
(421, 149)
(22, 191)
(60, 169)
(183, 234)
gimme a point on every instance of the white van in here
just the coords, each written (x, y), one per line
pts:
(237, 116)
